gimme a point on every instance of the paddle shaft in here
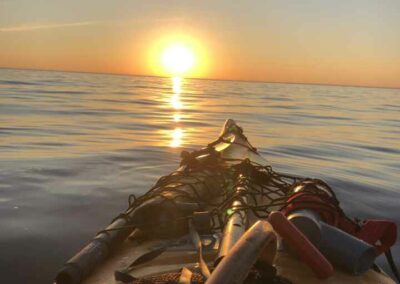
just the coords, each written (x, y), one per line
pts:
(235, 266)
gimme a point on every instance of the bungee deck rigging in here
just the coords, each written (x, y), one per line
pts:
(226, 182)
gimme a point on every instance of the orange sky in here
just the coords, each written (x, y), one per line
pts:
(338, 42)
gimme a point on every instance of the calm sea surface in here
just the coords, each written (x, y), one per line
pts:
(73, 146)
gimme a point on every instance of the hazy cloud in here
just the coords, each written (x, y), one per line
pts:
(23, 28)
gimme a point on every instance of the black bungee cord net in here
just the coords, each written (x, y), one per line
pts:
(263, 188)
(259, 182)
(256, 180)
(207, 175)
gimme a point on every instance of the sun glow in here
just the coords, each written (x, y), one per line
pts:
(177, 54)
(177, 59)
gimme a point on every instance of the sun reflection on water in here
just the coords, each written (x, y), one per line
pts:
(176, 103)
(176, 88)
(177, 117)
(177, 136)
(176, 85)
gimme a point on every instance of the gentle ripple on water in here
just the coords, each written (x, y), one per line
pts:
(73, 146)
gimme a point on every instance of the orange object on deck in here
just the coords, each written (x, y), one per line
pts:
(301, 245)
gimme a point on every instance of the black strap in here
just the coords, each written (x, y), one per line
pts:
(205, 271)
(392, 265)
(124, 276)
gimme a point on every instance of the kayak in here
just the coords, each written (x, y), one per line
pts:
(225, 216)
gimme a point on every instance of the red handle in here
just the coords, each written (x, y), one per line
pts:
(299, 243)
(378, 231)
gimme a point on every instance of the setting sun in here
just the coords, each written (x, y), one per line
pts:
(178, 59)
(178, 54)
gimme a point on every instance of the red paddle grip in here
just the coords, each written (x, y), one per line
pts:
(300, 244)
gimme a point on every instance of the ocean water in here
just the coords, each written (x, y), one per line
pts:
(74, 145)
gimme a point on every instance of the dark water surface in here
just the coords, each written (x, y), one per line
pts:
(73, 146)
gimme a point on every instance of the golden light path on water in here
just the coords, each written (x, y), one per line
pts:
(176, 88)
(177, 136)
(176, 104)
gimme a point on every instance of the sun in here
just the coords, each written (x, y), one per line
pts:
(178, 54)
(177, 59)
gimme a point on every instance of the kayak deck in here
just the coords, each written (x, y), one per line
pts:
(287, 266)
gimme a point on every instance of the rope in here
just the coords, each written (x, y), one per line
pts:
(390, 260)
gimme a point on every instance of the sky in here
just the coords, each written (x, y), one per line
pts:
(345, 42)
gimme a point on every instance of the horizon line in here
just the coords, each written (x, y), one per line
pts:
(195, 78)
